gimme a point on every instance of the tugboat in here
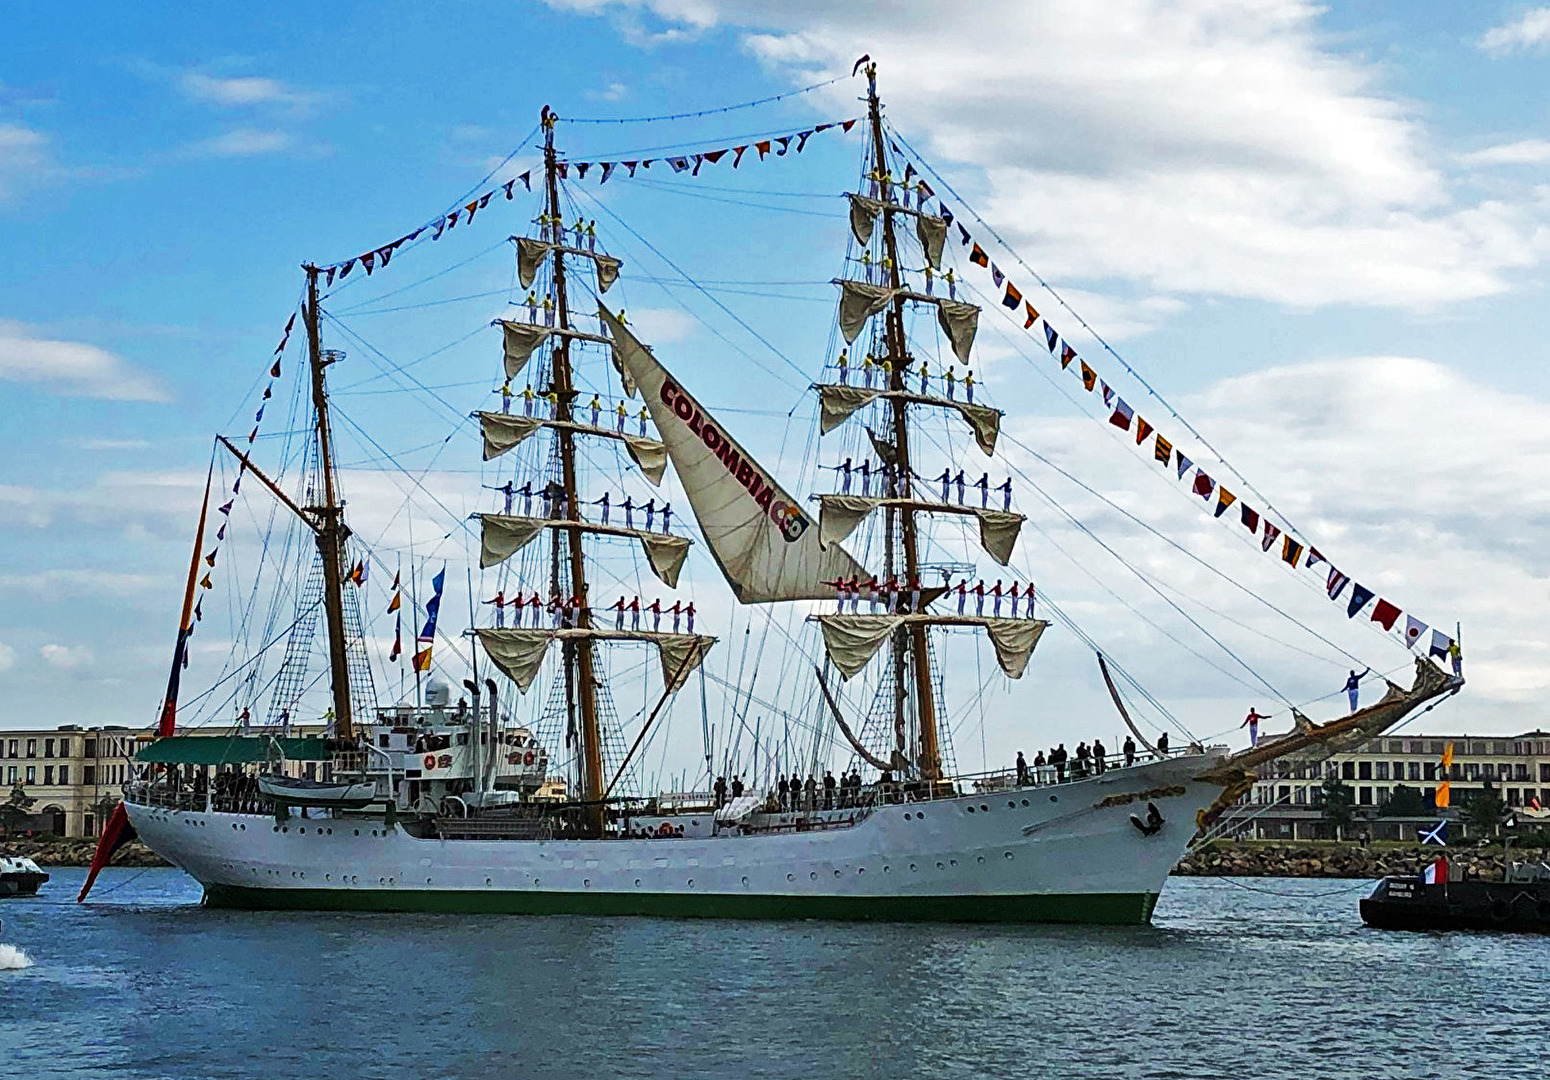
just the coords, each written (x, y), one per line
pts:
(20, 876)
(1439, 898)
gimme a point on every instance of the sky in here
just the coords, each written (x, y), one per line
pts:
(1318, 232)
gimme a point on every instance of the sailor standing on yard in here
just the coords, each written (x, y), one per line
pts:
(1252, 723)
(1353, 685)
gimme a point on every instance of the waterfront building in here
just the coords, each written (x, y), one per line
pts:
(74, 774)
(1286, 802)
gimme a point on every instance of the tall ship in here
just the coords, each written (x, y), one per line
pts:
(514, 777)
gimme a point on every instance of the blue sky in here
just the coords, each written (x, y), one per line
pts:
(1320, 232)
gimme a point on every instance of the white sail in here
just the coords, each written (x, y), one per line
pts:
(764, 542)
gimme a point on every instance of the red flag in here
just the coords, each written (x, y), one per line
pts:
(1033, 316)
(115, 834)
(1385, 613)
(1143, 429)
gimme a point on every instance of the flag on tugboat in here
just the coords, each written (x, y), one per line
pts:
(427, 638)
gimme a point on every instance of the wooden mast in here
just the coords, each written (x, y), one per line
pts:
(929, 759)
(581, 687)
(331, 529)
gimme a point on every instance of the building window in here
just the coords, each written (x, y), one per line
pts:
(64, 747)
(48, 774)
(32, 774)
(1520, 771)
(1471, 771)
(1512, 797)
(10, 776)
(32, 747)
(1413, 770)
(1431, 770)
(1381, 771)
(1364, 770)
(48, 747)
(1348, 770)
(1364, 796)
(64, 774)
(1544, 770)
(90, 748)
(88, 774)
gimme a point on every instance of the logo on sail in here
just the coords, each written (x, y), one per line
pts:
(787, 517)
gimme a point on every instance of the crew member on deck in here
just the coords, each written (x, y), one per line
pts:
(1130, 751)
(1022, 770)
(1099, 754)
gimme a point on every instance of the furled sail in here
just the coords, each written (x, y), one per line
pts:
(502, 431)
(531, 254)
(759, 535)
(836, 404)
(838, 516)
(503, 535)
(852, 640)
(520, 653)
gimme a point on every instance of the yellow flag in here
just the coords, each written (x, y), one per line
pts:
(1441, 800)
(1447, 757)
(394, 605)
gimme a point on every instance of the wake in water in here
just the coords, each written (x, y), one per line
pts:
(13, 959)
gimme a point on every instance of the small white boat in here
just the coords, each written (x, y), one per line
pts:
(293, 791)
(20, 876)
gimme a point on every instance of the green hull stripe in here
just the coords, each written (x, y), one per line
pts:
(1126, 909)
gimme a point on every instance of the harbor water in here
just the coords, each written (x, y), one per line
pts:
(1236, 978)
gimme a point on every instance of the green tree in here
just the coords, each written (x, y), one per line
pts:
(15, 808)
(1336, 799)
(1483, 811)
(1404, 802)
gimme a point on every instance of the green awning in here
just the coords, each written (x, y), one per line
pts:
(230, 750)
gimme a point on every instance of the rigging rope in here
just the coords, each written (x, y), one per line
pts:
(701, 112)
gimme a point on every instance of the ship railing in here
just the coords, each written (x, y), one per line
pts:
(1000, 781)
(143, 793)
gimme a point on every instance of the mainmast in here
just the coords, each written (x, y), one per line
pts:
(570, 568)
(331, 530)
(909, 646)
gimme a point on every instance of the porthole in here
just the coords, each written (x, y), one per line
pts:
(488, 881)
(1025, 802)
(357, 832)
(244, 828)
(745, 883)
(860, 870)
(984, 809)
(302, 830)
(328, 877)
(913, 868)
(981, 858)
(586, 883)
(813, 875)
(274, 828)
(1009, 855)
(691, 883)
(330, 832)
(791, 877)
(836, 872)
(1053, 798)
(952, 862)
(970, 809)
(535, 883)
(285, 828)
(906, 818)
(1011, 805)
(427, 881)
(637, 883)
(885, 868)
(939, 866)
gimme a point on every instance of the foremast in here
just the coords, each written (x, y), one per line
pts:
(328, 519)
(568, 563)
(910, 642)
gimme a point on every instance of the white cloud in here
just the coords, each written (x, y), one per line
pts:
(662, 326)
(1215, 147)
(7, 657)
(77, 584)
(243, 92)
(244, 142)
(614, 91)
(65, 657)
(24, 157)
(1524, 152)
(71, 368)
(1417, 481)
(114, 445)
(1531, 30)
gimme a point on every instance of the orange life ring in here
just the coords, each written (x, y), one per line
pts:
(527, 758)
(430, 761)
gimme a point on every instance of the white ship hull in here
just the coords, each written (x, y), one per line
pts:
(1054, 853)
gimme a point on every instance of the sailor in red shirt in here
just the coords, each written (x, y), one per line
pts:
(995, 593)
(915, 593)
(619, 613)
(500, 608)
(892, 593)
(962, 594)
(677, 612)
(689, 615)
(1012, 592)
(635, 613)
(979, 597)
(656, 616)
(1252, 723)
